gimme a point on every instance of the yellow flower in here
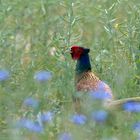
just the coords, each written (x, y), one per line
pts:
(116, 26)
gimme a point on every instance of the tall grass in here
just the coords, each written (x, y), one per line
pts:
(35, 35)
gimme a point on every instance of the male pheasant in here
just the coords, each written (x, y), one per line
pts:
(87, 81)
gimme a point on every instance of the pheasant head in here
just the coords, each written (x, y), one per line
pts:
(77, 52)
(81, 55)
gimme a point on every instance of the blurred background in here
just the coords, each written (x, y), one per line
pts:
(37, 73)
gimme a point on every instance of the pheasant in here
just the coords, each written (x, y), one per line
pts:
(87, 81)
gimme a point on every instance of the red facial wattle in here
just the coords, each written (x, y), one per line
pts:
(75, 56)
(76, 52)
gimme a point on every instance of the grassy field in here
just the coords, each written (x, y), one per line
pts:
(35, 36)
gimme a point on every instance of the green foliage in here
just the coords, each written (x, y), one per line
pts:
(36, 35)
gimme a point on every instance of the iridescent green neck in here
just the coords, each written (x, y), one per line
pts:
(83, 64)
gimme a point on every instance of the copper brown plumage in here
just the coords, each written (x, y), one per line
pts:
(88, 81)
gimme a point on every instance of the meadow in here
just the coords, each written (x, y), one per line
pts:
(37, 72)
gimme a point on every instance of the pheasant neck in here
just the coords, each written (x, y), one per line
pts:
(83, 64)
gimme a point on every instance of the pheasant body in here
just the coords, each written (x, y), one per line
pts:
(88, 81)
(85, 79)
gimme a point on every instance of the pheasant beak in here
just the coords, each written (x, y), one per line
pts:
(72, 55)
(69, 51)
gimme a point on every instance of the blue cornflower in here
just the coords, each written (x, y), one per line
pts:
(99, 116)
(4, 75)
(131, 106)
(65, 136)
(47, 116)
(42, 76)
(100, 93)
(101, 86)
(31, 102)
(78, 119)
(136, 127)
(30, 125)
